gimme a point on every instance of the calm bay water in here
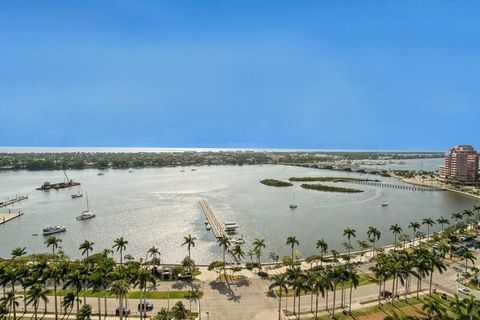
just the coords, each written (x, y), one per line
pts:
(159, 206)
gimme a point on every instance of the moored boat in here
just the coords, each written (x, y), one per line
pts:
(53, 229)
(87, 214)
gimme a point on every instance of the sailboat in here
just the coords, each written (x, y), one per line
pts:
(293, 205)
(77, 195)
(87, 214)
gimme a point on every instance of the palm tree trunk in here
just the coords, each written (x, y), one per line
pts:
(78, 302)
(55, 297)
(280, 305)
(341, 296)
(379, 293)
(299, 294)
(334, 296)
(431, 280)
(326, 301)
(393, 287)
(350, 302)
(120, 298)
(99, 309)
(316, 306)
(294, 301)
(35, 308)
(105, 306)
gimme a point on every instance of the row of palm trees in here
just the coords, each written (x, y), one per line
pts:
(317, 281)
(99, 272)
(399, 265)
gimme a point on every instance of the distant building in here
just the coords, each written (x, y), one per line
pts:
(461, 165)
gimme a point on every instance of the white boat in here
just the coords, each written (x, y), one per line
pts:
(53, 229)
(208, 227)
(87, 214)
(230, 227)
(385, 204)
(77, 195)
(293, 205)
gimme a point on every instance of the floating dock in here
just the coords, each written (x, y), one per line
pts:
(217, 228)
(7, 216)
(12, 201)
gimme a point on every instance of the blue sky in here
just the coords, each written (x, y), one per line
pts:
(278, 74)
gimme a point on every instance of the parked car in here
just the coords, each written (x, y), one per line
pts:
(475, 281)
(126, 311)
(184, 276)
(385, 294)
(444, 296)
(464, 290)
(145, 306)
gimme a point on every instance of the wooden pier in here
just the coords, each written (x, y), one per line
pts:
(12, 201)
(217, 228)
(394, 186)
(7, 216)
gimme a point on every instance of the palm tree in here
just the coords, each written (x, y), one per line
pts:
(442, 221)
(299, 284)
(430, 223)
(197, 295)
(472, 307)
(53, 272)
(179, 311)
(225, 243)
(349, 233)
(279, 281)
(396, 230)
(18, 252)
(415, 226)
(373, 235)
(120, 288)
(97, 281)
(68, 302)
(467, 255)
(433, 309)
(354, 279)
(85, 312)
(435, 263)
(11, 303)
(74, 279)
(457, 216)
(258, 245)
(36, 294)
(153, 251)
(189, 241)
(237, 252)
(119, 245)
(163, 314)
(86, 247)
(323, 246)
(141, 278)
(292, 242)
(53, 242)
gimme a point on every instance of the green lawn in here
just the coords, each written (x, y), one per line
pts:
(173, 294)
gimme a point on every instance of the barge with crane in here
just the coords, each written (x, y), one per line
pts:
(60, 185)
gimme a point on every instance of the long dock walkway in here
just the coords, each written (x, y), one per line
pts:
(394, 186)
(12, 201)
(7, 216)
(217, 228)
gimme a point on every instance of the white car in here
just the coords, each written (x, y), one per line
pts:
(464, 291)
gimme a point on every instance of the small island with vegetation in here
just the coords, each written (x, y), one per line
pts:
(322, 187)
(275, 183)
(331, 179)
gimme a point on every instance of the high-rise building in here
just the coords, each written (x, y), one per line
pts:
(461, 165)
